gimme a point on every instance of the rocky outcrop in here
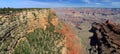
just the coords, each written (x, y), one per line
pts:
(105, 39)
(15, 26)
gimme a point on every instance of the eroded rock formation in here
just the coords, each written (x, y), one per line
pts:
(105, 39)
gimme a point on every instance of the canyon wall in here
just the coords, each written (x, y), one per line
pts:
(15, 26)
(106, 38)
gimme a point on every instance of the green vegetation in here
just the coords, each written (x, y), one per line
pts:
(50, 27)
(51, 16)
(58, 27)
(35, 15)
(23, 48)
(41, 42)
(9, 10)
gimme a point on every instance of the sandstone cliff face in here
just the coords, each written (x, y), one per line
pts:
(106, 38)
(14, 27)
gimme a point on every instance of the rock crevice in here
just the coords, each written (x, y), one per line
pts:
(105, 39)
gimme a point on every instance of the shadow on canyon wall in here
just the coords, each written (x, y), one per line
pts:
(105, 39)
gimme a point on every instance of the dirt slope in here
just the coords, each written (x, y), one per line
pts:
(72, 43)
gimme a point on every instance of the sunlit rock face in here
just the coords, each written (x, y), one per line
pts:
(25, 30)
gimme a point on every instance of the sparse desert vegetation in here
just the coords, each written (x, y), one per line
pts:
(29, 31)
(41, 42)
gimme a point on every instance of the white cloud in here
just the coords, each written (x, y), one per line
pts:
(115, 3)
(97, 3)
(87, 1)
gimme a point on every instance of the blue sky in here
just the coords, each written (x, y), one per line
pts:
(59, 3)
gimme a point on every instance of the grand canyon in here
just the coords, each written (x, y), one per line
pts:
(60, 30)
